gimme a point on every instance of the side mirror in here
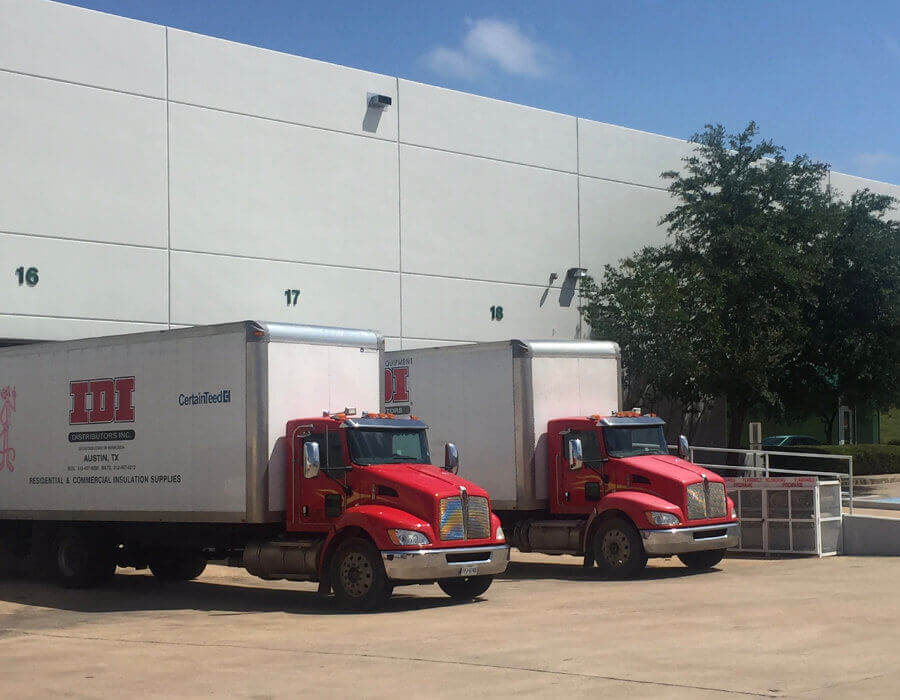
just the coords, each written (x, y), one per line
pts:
(311, 461)
(683, 448)
(575, 454)
(451, 458)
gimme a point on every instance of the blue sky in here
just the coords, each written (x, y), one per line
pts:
(821, 77)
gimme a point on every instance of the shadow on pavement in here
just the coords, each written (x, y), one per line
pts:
(144, 593)
(520, 571)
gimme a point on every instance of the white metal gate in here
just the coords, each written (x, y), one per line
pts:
(790, 515)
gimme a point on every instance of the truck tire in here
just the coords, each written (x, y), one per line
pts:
(618, 549)
(465, 588)
(702, 560)
(357, 576)
(82, 561)
(177, 566)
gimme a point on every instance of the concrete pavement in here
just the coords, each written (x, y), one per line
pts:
(783, 628)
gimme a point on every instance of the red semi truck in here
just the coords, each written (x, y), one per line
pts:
(538, 423)
(171, 448)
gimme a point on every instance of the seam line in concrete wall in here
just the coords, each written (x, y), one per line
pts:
(168, 194)
(84, 85)
(51, 237)
(492, 158)
(276, 120)
(399, 208)
(363, 269)
(578, 330)
(88, 318)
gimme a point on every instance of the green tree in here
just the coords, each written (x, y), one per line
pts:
(743, 265)
(852, 354)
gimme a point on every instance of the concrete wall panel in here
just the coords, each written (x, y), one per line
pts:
(456, 121)
(626, 155)
(51, 328)
(219, 288)
(78, 162)
(85, 280)
(617, 220)
(450, 309)
(249, 186)
(483, 219)
(69, 43)
(216, 73)
(847, 185)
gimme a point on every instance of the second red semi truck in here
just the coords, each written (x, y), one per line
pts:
(167, 449)
(539, 425)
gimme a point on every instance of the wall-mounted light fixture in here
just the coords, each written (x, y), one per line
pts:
(376, 101)
(576, 273)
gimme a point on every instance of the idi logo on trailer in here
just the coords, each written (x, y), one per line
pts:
(102, 401)
(396, 386)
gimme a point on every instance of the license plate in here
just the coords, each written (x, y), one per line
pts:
(468, 570)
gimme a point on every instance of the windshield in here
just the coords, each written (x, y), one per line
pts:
(376, 446)
(630, 442)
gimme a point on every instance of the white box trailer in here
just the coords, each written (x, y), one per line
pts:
(493, 400)
(174, 426)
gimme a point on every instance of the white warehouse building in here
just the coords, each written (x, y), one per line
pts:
(153, 178)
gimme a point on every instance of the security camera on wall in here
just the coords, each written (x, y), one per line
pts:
(378, 101)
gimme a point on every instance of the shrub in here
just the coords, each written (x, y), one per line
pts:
(867, 459)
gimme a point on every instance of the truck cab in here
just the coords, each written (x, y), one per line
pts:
(627, 498)
(367, 510)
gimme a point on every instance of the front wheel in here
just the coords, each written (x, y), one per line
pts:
(465, 588)
(702, 560)
(618, 549)
(357, 576)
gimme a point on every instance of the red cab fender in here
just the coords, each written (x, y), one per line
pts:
(633, 504)
(375, 521)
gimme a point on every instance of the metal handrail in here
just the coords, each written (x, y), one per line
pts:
(766, 469)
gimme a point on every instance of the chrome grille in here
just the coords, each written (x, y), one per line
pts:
(715, 500)
(460, 523)
(451, 519)
(696, 502)
(479, 521)
(705, 500)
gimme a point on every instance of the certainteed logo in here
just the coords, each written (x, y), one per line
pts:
(205, 398)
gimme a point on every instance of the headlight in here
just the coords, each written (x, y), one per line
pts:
(499, 535)
(407, 538)
(733, 513)
(658, 518)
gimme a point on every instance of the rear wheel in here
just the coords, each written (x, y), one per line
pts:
(177, 566)
(82, 561)
(702, 560)
(357, 576)
(618, 550)
(465, 588)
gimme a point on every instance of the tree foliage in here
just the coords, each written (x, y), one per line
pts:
(771, 292)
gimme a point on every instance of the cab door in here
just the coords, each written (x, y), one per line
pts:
(320, 499)
(579, 491)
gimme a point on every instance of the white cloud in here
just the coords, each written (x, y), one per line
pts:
(451, 62)
(870, 164)
(492, 44)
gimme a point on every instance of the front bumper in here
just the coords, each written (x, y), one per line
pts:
(432, 564)
(690, 539)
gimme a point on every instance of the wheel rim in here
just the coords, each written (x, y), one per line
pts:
(71, 560)
(356, 574)
(616, 548)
